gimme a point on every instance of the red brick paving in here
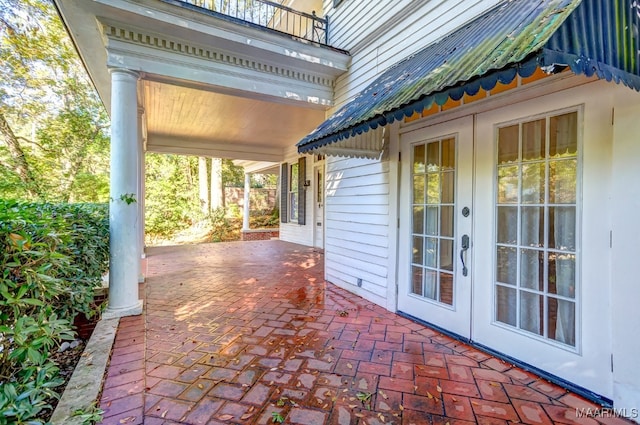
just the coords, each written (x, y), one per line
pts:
(235, 333)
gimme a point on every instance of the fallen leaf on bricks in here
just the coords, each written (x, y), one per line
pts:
(225, 417)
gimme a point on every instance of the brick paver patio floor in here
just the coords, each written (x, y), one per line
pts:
(242, 332)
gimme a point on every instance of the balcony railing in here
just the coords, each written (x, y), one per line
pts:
(271, 15)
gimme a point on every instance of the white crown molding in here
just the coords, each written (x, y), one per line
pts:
(164, 58)
(168, 44)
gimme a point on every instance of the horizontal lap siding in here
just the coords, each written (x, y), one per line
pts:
(357, 226)
(346, 20)
(417, 24)
(296, 233)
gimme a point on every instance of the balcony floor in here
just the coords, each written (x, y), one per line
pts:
(237, 332)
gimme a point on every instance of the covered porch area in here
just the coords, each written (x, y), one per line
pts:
(249, 332)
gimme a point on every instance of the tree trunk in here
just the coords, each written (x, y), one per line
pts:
(70, 175)
(203, 181)
(217, 191)
(18, 158)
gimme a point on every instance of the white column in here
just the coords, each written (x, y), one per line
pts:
(124, 256)
(141, 191)
(245, 215)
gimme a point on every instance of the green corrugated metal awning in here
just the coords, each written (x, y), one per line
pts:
(513, 38)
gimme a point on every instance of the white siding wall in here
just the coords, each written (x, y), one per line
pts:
(625, 199)
(294, 232)
(361, 201)
(357, 226)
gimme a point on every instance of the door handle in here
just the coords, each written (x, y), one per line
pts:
(464, 246)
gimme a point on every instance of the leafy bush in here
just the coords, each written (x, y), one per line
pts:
(53, 256)
(227, 229)
(265, 221)
(220, 225)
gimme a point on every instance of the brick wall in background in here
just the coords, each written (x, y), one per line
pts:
(261, 199)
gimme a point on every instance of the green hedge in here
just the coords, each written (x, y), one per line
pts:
(53, 256)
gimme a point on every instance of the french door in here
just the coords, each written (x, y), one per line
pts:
(436, 244)
(532, 301)
(490, 238)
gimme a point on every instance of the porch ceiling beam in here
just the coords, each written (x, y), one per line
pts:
(212, 153)
(259, 167)
(218, 149)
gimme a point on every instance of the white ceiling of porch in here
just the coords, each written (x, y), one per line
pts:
(196, 121)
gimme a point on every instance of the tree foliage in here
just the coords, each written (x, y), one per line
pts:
(53, 127)
(52, 258)
(54, 139)
(172, 200)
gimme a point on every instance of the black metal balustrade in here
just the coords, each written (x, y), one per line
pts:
(271, 15)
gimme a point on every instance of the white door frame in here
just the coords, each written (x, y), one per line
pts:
(588, 364)
(455, 318)
(318, 204)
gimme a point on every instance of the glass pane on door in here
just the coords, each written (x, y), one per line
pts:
(433, 188)
(536, 222)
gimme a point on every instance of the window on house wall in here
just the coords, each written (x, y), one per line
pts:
(292, 192)
(537, 230)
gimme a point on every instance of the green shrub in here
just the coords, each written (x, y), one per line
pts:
(53, 256)
(234, 211)
(220, 225)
